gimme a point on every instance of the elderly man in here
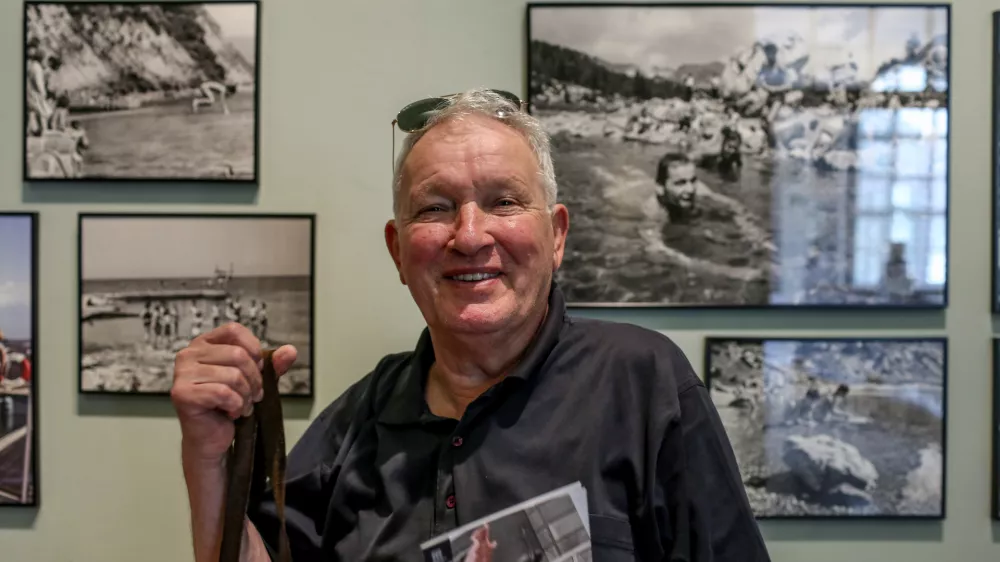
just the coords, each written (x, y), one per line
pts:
(504, 397)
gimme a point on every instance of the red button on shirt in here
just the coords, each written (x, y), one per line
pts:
(456, 441)
(450, 502)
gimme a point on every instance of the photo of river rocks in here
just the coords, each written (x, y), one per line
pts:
(834, 427)
(730, 156)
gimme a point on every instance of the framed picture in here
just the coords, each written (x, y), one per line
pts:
(995, 496)
(19, 359)
(835, 428)
(748, 155)
(141, 91)
(995, 243)
(150, 283)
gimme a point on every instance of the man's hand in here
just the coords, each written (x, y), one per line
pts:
(217, 380)
(482, 547)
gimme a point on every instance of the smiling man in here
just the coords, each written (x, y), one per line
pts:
(504, 397)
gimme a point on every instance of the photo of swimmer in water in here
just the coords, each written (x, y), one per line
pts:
(728, 156)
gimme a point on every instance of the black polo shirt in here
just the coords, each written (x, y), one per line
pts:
(614, 406)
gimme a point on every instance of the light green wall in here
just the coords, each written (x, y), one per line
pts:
(334, 73)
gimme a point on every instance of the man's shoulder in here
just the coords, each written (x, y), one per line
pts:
(632, 349)
(371, 389)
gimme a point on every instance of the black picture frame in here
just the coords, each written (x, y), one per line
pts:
(875, 479)
(995, 433)
(20, 357)
(995, 171)
(215, 148)
(123, 350)
(721, 252)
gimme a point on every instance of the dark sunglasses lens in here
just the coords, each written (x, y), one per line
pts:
(513, 99)
(415, 115)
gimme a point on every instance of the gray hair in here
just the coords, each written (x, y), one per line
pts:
(480, 101)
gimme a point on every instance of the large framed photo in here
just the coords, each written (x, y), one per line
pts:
(748, 155)
(831, 427)
(141, 91)
(19, 359)
(150, 283)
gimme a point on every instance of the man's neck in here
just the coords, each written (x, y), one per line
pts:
(466, 366)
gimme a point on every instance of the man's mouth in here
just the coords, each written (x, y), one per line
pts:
(473, 277)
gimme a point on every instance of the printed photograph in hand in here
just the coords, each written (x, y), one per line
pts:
(549, 530)
(150, 283)
(18, 365)
(141, 91)
(834, 427)
(748, 156)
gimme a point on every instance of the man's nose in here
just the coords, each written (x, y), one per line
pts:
(471, 230)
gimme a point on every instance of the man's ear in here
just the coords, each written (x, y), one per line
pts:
(560, 229)
(392, 244)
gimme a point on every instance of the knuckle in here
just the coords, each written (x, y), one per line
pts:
(238, 355)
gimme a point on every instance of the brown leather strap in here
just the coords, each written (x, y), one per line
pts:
(260, 436)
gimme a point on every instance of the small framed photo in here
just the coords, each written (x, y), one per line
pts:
(758, 155)
(150, 283)
(141, 91)
(835, 427)
(19, 359)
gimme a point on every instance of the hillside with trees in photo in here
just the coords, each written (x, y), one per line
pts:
(142, 52)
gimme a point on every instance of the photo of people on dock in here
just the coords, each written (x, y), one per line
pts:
(18, 440)
(141, 91)
(152, 283)
(748, 156)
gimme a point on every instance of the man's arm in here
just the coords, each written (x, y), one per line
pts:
(711, 517)
(206, 484)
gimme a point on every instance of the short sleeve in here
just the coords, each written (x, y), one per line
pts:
(705, 513)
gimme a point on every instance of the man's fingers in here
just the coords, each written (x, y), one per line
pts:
(283, 358)
(235, 334)
(223, 355)
(232, 377)
(216, 396)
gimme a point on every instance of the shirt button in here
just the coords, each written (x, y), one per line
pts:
(450, 502)
(456, 441)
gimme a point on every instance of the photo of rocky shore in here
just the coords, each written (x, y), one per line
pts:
(834, 427)
(141, 91)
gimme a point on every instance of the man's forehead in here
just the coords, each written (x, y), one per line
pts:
(458, 149)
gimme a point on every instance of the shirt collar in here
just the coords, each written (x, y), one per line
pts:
(407, 403)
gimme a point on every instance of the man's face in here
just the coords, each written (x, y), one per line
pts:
(682, 182)
(475, 243)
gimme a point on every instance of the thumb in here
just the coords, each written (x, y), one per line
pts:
(283, 358)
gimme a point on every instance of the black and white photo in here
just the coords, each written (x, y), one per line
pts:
(834, 427)
(141, 91)
(18, 359)
(552, 527)
(748, 155)
(150, 283)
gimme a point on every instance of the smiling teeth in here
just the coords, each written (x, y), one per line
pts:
(475, 276)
